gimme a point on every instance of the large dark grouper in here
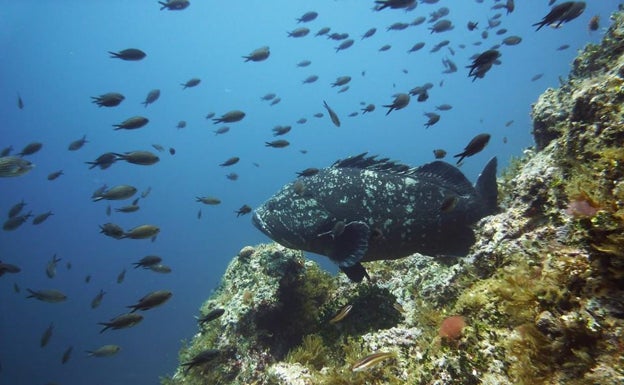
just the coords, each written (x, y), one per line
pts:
(364, 209)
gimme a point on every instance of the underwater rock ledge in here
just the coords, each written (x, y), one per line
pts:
(541, 293)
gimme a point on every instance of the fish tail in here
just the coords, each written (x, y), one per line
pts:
(486, 186)
(32, 293)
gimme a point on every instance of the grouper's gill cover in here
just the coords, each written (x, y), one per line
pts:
(363, 209)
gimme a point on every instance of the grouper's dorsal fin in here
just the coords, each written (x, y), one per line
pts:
(371, 163)
(445, 173)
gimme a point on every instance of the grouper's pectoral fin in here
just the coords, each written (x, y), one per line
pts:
(350, 247)
(356, 273)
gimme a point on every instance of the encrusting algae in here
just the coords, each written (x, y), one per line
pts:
(540, 296)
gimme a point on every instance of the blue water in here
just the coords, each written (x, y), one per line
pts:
(55, 57)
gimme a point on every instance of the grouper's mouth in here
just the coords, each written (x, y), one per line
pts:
(257, 221)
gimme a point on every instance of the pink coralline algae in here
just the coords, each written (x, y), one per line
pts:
(580, 208)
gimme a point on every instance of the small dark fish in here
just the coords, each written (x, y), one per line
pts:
(369, 33)
(51, 266)
(342, 314)
(172, 150)
(77, 144)
(142, 232)
(151, 97)
(41, 218)
(308, 172)
(371, 360)
(20, 102)
(199, 214)
(16, 221)
(143, 158)
(109, 210)
(298, 32)
(472, 25)
(306, 17)
(416, 47)
(6, 151)
(562, 13)
(121, 276)
(302, 121)
(418, 21)
(594, 24)
(439, 153)
(275, 101)
(257, 55)
(9, 268)
(385, 47)
(132, 123)
(444, 107)
(51, 296)
(210, 115)
(441, 26)
(160, 268)
(31, 148)
(147, 261)
(230, 117)
(181, 124)
(97, 300)
(12, 166)
(174, 5)
(509, 123)
(67, 355)
(269, 96)
(104, 351)
(393, 4)
(121, 322)
(333, 116)
(55, 174)
(244, 209)
(212, 315)
(482, 63)
(368, 108)
(536, 77)
(201, 358)
(110, 99)
(232, 176)
(111, 230)
(323, 31)
(88, 278)
(103, 161)
(151, 300)
(231, 161)
(281, 130)
(344, 45)
(512, 40)
(310, 79)
(304, 63)
(17, 208)
(130, 54)
(128, 209)
(475, 146)
(433, 119)
(563, 47)
(280, 143)
(16, 287)
(190, 83)
(399, 102)
(47, 334)
(221, 130)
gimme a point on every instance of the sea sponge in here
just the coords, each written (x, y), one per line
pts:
(452, 327)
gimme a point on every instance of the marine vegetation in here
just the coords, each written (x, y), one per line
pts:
(538, 299)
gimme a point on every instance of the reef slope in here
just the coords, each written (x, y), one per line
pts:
(541, 294)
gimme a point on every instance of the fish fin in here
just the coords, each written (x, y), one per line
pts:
(356, 273)
(486, 186)
(351, 245)
(446, 173)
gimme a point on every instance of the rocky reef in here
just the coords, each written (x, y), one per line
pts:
(539, 300)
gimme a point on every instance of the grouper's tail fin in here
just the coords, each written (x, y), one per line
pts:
(486, 187)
